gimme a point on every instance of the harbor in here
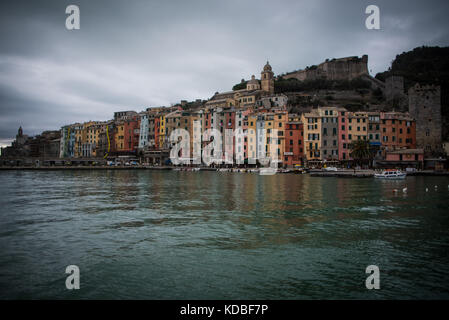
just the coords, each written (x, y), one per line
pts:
(165, 234)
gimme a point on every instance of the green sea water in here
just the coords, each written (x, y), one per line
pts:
(141, 234)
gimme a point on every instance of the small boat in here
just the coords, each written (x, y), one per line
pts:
(390, 174)
(267, 171)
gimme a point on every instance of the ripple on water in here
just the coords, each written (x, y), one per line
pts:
(202, 235)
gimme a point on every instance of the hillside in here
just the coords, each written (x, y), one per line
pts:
(426, 65)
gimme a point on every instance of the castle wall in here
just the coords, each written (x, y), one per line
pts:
(336, 69)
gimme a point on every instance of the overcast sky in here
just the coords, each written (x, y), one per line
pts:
(129, 55)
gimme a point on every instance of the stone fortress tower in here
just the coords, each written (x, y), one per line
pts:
(425, 107)
(267, 79)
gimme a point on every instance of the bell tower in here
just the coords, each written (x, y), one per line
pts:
(267, 79)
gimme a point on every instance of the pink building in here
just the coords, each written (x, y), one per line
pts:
(343, 140)
(404, 158)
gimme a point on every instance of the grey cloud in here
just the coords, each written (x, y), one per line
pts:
(131, 55)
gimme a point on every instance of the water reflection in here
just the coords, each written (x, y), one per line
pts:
(307, 237)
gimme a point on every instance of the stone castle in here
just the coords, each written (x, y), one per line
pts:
(335, 69)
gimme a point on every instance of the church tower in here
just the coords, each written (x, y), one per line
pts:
(267, 79)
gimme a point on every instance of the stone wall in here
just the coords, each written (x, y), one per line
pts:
(336, 69)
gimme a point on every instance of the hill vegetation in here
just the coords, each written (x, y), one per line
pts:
(424, 65)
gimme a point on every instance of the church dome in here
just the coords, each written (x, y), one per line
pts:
(253, 80)
(267, 67)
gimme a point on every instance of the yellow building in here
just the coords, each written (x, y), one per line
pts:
(275, 121)
(312, 135)
(171, 122)
(119, 136)
(252, 136)
(162, 131)
(357, 126)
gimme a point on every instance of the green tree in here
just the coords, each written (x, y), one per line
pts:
(361, 151)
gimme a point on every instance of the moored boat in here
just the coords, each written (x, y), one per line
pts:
(391, 174)
(267, 171)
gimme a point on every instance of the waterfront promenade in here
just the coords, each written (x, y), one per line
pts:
(341, 173)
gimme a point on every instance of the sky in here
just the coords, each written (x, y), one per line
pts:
(130, 55)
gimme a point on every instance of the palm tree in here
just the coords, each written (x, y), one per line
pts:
(360, 151)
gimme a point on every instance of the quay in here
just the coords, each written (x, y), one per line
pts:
(343, 173)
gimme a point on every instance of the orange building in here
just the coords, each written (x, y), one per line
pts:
(294, 143)
(398, 131)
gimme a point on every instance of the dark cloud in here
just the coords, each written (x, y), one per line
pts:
(134, 54)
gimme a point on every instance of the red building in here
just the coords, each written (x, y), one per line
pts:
(131, 133)
(294, 143)
(343, 136)
(398, 131)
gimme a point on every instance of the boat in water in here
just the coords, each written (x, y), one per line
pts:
(391, 174)
(267, 171)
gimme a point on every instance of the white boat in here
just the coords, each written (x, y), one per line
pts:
(390, 174)
(267, 171)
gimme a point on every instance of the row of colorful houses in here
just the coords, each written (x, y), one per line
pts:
(324, 134)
